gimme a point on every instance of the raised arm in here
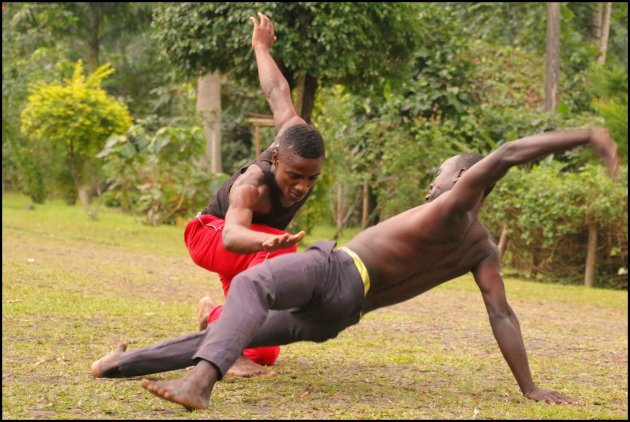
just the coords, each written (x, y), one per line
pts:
(469, 189)
(507, 331)
(273, 83)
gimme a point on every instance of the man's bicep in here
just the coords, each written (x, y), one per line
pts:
(243, 201)
(471, 187)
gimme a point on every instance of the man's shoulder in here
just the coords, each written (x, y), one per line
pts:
(251, 182)
(253, 175)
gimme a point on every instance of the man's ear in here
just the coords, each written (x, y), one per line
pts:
(460, 172)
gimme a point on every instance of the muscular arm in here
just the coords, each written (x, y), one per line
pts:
(237, 236)
(469, 189)
(247, 195)
(273, 83)
(507, 331)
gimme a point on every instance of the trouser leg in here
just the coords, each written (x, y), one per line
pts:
(265, 355)
(286, 282)
(283, 284)
(285, 327)
(161, 357)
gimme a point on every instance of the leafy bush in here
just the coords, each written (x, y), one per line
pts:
(610, 99)
(159, 176)
(74, 120)
(546, 212)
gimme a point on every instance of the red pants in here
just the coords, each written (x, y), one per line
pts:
(203, 237)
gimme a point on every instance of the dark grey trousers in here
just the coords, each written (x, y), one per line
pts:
(308, 296)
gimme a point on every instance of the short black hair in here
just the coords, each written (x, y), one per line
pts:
(469, 159)
(302, 140)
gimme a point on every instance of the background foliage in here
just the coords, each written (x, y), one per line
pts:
(72, 121)
(398, 88)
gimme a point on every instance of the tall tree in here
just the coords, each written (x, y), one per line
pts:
(357, 44)
(94, 23)
(604, 32)
(209, 108)
(552, 57)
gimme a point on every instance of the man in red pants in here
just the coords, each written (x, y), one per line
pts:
(243, 225)
(316, 294)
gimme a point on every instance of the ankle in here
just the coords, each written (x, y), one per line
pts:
(205, 370)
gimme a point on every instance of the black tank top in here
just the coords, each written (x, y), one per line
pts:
(278, 217)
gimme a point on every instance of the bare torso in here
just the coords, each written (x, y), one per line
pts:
(415, 251)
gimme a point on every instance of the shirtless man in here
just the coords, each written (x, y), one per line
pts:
(314, 295)
(243, 225)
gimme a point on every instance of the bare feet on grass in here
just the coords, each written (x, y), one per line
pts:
(204, 307)
(107, 366)
(192, 391)
(244, 367)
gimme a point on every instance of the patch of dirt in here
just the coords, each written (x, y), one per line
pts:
(40, 414)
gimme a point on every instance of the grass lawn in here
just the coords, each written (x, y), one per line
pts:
(73, 288)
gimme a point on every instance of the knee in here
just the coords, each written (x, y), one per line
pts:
(250, 281)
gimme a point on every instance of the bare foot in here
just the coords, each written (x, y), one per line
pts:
(244, 367)
(204, 307)
(177, 391)
(192, 391)
(107, 366)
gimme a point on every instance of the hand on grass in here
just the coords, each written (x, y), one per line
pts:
(550, 396)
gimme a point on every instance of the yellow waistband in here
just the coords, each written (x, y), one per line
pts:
(360, 266)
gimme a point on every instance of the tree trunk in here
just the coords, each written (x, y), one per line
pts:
(503, 241)
(84, 196)
(552, 57)
(209, 110)
(340, 208)
(366, 203)
(605, 32)
(96, 17)
(82, 190)
(533, 269)
(306, 91)
(598, 18)
(299, 94)
(591, 256)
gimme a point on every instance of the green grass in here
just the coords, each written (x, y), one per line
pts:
(72, 288)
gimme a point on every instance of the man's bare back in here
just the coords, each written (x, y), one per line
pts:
(416, 251)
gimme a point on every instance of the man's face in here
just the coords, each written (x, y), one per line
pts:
(295, 176)
(445, 179)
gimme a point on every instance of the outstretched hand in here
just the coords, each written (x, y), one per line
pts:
(606, 149)
(550, 396)
(263, 34)
(282, 241)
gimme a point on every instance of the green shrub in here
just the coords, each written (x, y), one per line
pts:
(546, 212)
(159, 176)
(73, 121)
